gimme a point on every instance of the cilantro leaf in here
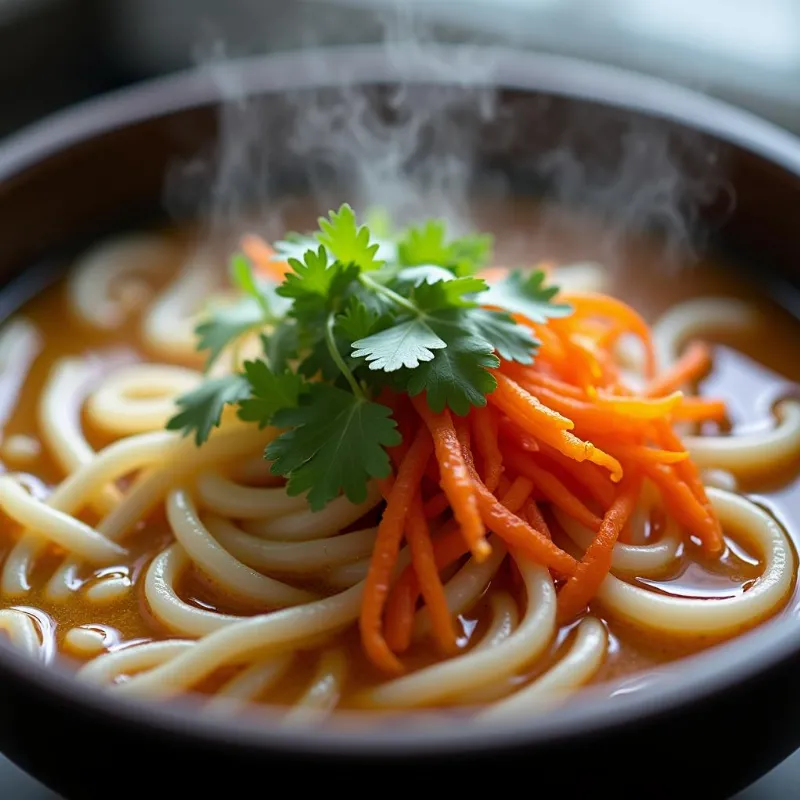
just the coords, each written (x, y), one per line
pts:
(341, 235)
(335, 443)
(319, 361)
(427, 244)
(226, 324)
(513, 342)
(469, 253)
(526, 294)
(457, 377)
(315, 283)
(200, 410)
(358, 321)
(447, 294)
(424, 273)
(269, 392)
(424, 245)
(406, 344)
(280, 345)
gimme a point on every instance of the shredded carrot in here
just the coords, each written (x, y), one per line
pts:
(455, 478)
(423, 559)
(535, 519)
(691, 366)
(436, 506)
(513, 433)
(401, 606)
(534, 376)
(596, 562)
(590, 476)
(517, 533)
(263, 258)
(400, 495)
(601, 305)
(641, 408)
(700, 409)
(447, 548)
(684, 505)
(547, 426)
(524, 409)
(555, 491)
(485, 426)
(687, 470)
(516, 497)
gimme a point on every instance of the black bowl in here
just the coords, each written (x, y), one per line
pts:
(707, 727)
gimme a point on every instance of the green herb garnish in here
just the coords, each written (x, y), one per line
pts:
(353, 317)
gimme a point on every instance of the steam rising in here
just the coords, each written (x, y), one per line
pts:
(420, 149)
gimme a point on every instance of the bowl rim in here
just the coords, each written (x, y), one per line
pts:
(699, 677)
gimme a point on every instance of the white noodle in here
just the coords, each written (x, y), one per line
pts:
(218, 564)
(642, 560)
(322, 696)
(70, 381)
(576, 668)
(752, 455)
(109, 280)
(66, 531)
(684, 616)
(22, 632)
(305, 525)
(168, 326)
(227, 497)
(237, 694)
(298, 558)
(139, 397)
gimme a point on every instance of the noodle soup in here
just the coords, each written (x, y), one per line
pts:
(521, 566)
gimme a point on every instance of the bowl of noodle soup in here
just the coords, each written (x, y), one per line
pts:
(614, 571)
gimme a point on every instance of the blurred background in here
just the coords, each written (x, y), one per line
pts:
(54, 52)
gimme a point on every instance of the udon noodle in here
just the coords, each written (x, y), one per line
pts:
(161, 568)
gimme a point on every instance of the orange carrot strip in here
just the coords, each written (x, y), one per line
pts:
(485, 426)
(588, 475)
(687, 470)
(533, 376)
(534, 517)
(510, 398)
(700, 409)
(596, 561)
(640, 453)
(552, 488)
(437, 505)
(519, 534)
(423, 559)
(263, 258)
(455, 477)
(515, 434)
(448, 547)
(691, 366)
(640, 408)
(516, 497)
(586, 414)
(684, 506)
(386, 549)
(516, 532)
(588, 304)
(522, 407)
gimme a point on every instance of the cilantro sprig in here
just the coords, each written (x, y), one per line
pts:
(356, 314)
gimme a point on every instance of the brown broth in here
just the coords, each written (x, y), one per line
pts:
(750, 371)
